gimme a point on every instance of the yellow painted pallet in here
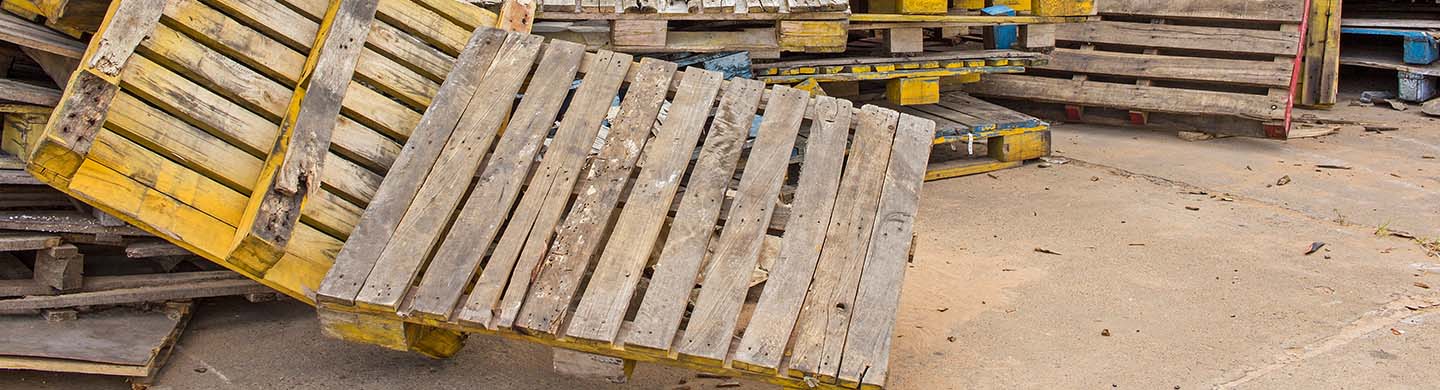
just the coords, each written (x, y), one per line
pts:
(183, 117)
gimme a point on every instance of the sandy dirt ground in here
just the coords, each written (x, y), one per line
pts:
(1180, 265)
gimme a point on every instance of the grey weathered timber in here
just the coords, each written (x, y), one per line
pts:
(304, 142)
(377, 225)
(867, 343)
(658, 318)
(580, 236)
(603, 305)
(712, 323)
(499, 185)
(824, 317)
(763, 343)
(547, 193)
(438, 197)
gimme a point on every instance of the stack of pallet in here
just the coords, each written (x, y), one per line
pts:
(1223, 67)
(1400, 36)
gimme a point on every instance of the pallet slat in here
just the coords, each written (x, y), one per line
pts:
(354, 263)
(712, 323)
(498, 185)
(603, 306)
(658, 319)
(429, 213)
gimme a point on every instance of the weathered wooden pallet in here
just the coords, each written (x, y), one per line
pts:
(497, 245)
(1211, 59)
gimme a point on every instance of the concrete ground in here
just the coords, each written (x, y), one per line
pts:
(1180, 265)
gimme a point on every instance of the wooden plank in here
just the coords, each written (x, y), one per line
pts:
(658, 318)
(163, 175)
(292, 170)
(719, 6)
(200, 107)
(763, 343)
(603, 306)
(872, 321)
(1270, 11)
(717, 309)
(32, 35)
(356, 260)
(1163, 67)
(533, 222)
(579, 237)
(58, 67)
(516, 15)
(26, 241)
(429, 214)
(499, 185)
(1132, 97)
(425, 24)
(205, 289)
(156, 211)
(1215, 39)
(1319, 84)
(824, 317)
(127, 24)
(467, 15)
(153, 248)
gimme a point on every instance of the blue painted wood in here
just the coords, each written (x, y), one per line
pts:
(1005, 36)
(1419, 47)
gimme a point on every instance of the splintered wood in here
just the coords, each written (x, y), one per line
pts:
(636, 222)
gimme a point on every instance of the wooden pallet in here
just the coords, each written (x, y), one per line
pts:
(514, 255)
(1216, 59)
(964, 124)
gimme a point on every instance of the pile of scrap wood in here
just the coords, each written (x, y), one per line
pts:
(80, 290)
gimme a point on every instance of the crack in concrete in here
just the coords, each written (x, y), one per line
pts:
(1369, 322)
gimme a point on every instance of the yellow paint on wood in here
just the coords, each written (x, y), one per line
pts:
(1019, 147)
(910, 7)
(946, 172)
(812, 36)
(913, 90)
(1063, 7)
